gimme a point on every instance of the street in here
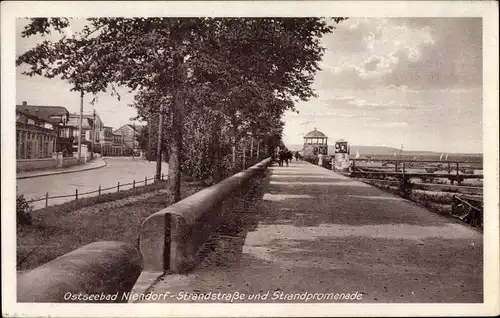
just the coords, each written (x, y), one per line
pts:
(118, 169)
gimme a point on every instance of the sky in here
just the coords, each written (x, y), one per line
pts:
(415, 82)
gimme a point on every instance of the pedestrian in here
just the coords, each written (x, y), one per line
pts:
(297, 156)
(287, 156)
(281, 156)
(320, 159)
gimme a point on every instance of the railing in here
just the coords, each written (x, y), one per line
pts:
(468, 209)
(99, 272)
(454, 172)
(170, 239)
(99, 191)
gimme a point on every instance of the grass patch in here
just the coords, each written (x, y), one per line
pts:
(60, 229)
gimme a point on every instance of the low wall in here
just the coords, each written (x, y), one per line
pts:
(70, 161)
(170, 239)
(101, 268)
(35, 164)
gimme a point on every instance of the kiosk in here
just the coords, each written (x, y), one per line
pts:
(341, 156)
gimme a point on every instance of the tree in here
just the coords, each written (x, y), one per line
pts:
(237, 71)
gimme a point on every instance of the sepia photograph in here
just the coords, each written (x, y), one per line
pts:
(288, 160)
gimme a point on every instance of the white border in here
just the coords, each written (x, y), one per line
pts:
(488, 10)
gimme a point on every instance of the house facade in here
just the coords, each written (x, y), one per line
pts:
(90, 123)
(39, 130)
(129, 133)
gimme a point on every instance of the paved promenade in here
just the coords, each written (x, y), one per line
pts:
(317, 231)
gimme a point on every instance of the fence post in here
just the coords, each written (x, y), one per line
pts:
(76, 194)
(46, 199)
(133, 184)
(99, 193)
(118, 187)
(145, 180)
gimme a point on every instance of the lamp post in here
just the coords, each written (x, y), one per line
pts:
(93, 136)
(80, 128)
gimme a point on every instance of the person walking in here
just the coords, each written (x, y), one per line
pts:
(281, 156)
(320, 159)
(288, 156)
(297, 156)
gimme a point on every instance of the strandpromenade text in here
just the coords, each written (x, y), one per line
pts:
(216, 296)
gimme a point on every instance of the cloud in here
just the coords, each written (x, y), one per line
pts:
(355, 35)
(416, 54)
(394, 125)
(371, 64)
(453, 60)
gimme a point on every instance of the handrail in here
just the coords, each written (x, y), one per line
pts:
(171, 238)
(100, 270)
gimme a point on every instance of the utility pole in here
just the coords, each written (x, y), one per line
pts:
(93, 135)
(133, 141)
(80, 128)
(149, 137)
(158, 148)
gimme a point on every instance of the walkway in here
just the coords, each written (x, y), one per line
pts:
(93, 164)
(320, 232)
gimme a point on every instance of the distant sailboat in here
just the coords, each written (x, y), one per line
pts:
(446, 156)
(357, 154)
(441, 157)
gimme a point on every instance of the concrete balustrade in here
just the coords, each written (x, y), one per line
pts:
(171, 239)
(98, 272)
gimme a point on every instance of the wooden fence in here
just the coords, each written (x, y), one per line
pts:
(99, 191)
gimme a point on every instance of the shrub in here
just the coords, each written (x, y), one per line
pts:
(23, 211)
(405, 188)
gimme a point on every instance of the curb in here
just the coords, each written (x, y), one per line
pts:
(62, 172)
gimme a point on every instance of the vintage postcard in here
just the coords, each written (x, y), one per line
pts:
(263, 158)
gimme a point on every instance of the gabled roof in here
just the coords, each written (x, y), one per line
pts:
(315, 134)
(43, 112)
(86, 122)
(137, 128)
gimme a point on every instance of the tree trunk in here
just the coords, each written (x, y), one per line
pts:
(233, 147)
(244, 150)
(216, 135)
(251, 149)
(158, 149)
(258, 150)
(174, 165)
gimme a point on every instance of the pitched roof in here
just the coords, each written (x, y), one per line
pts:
(137, 128)
(43, 112)
(315, 134)
(86, 122)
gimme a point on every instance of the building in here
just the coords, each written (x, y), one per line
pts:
(105, 140)
(90, 123)
(129, 133)
(315, 142)
(40, 130)
(117, 146)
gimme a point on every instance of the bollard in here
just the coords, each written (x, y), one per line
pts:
(76, 194)
(162, 177)
(46, 199)
(145, 180)
(118, 187)
(133, 184)
(99, 193)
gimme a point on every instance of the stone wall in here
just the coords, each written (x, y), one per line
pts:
(35, 164)
(171, 239)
